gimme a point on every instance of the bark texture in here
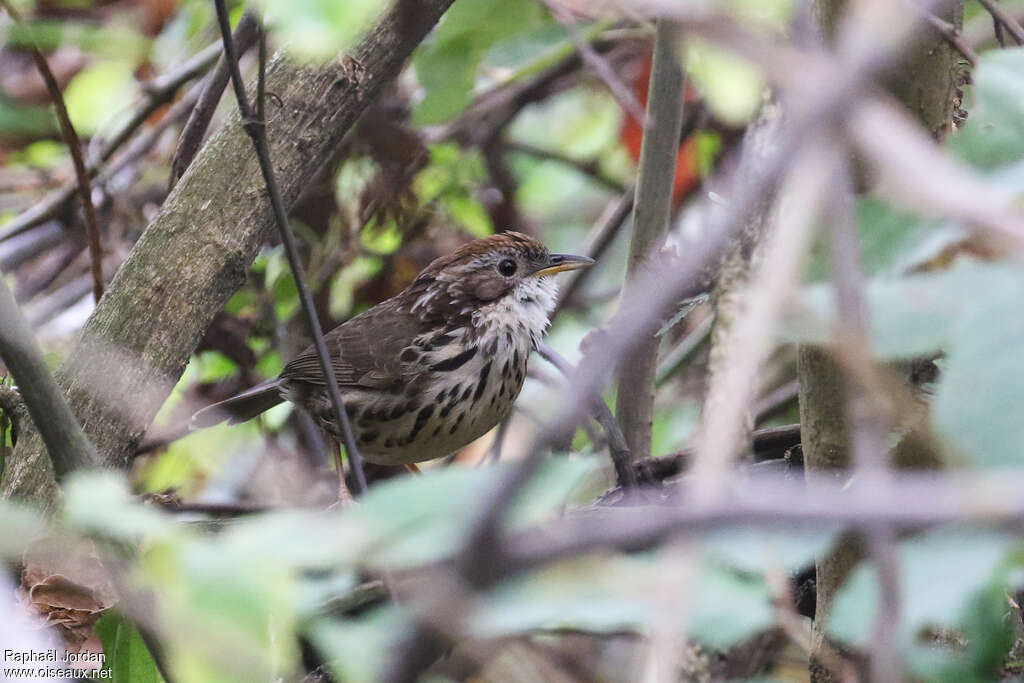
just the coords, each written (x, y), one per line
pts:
(651, 213)
(195, 253)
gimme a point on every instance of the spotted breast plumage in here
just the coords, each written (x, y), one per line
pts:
(434, 367)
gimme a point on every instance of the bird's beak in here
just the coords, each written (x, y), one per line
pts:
(558, 263)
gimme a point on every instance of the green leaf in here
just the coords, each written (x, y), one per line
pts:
(755, 552)
(470, 215)
(994, 132)
(941, 572)
(982, 382)
(446, 64)
(96, 94)
(408, 520)
(731, 84)
(357, 650)
(98, 501)
(125, 652)
(728, 607)
(320, 29)
(892, 241)
(909, 316)
(229, 613)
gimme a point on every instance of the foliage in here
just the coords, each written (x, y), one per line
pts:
(238, 599)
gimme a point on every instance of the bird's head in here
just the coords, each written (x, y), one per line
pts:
(508, 272)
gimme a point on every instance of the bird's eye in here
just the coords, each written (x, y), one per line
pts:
(507, 267)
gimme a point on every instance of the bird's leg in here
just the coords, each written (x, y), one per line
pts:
(413, 469)
(344, 496)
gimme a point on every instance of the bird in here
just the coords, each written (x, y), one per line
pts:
(433, 368)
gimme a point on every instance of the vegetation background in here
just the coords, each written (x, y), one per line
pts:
(774, 433)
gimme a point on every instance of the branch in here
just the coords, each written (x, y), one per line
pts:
(255, 127)
(951, 34)
(66, 444)
(195, 253)
(92, 228)
(769, 443)
(651, 212)
(1001, 16)
(588, 168)
(618, 449)
(772, 502)
(191, 137)
(622, 94)
(159, 93)
(604, 233)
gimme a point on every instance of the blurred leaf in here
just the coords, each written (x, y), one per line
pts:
(446, 63)
(21, 525)
(756, 552)
(728, 607)
(580, 123)
(228, 612)
(892, 241)
(358, 649)
(603, 594)
(98, 502)
(994, 133)
(25, 121)
(321, 29)
(982, 382)
(215, 366)
(270, 364)
(732, 85)
(346, 280)
(470, 215)
(99, 93)
(941, 572)
(124, 651)
(408, 520)
(970, 312)
(116, 39)
(598, 594)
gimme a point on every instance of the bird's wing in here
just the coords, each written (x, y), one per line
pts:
(364, 351)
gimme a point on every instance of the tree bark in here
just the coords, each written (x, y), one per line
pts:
(195, 253)
(634, 404)
(924, 79)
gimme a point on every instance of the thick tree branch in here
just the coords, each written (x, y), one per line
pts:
(651, 210)
(196, 251)
(65, 442)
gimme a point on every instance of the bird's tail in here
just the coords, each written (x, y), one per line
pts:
(240, 408)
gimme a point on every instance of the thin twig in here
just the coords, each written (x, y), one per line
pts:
(1003, 17)
(868, 427)
(622, 94)
(191, 137)
(767, 444)
(603, 234)
(92, 228)
(618, 449)
(590, 169)
(255, 128)
(675, 358)
(158, 94)
(777, 502)
(952, 36)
